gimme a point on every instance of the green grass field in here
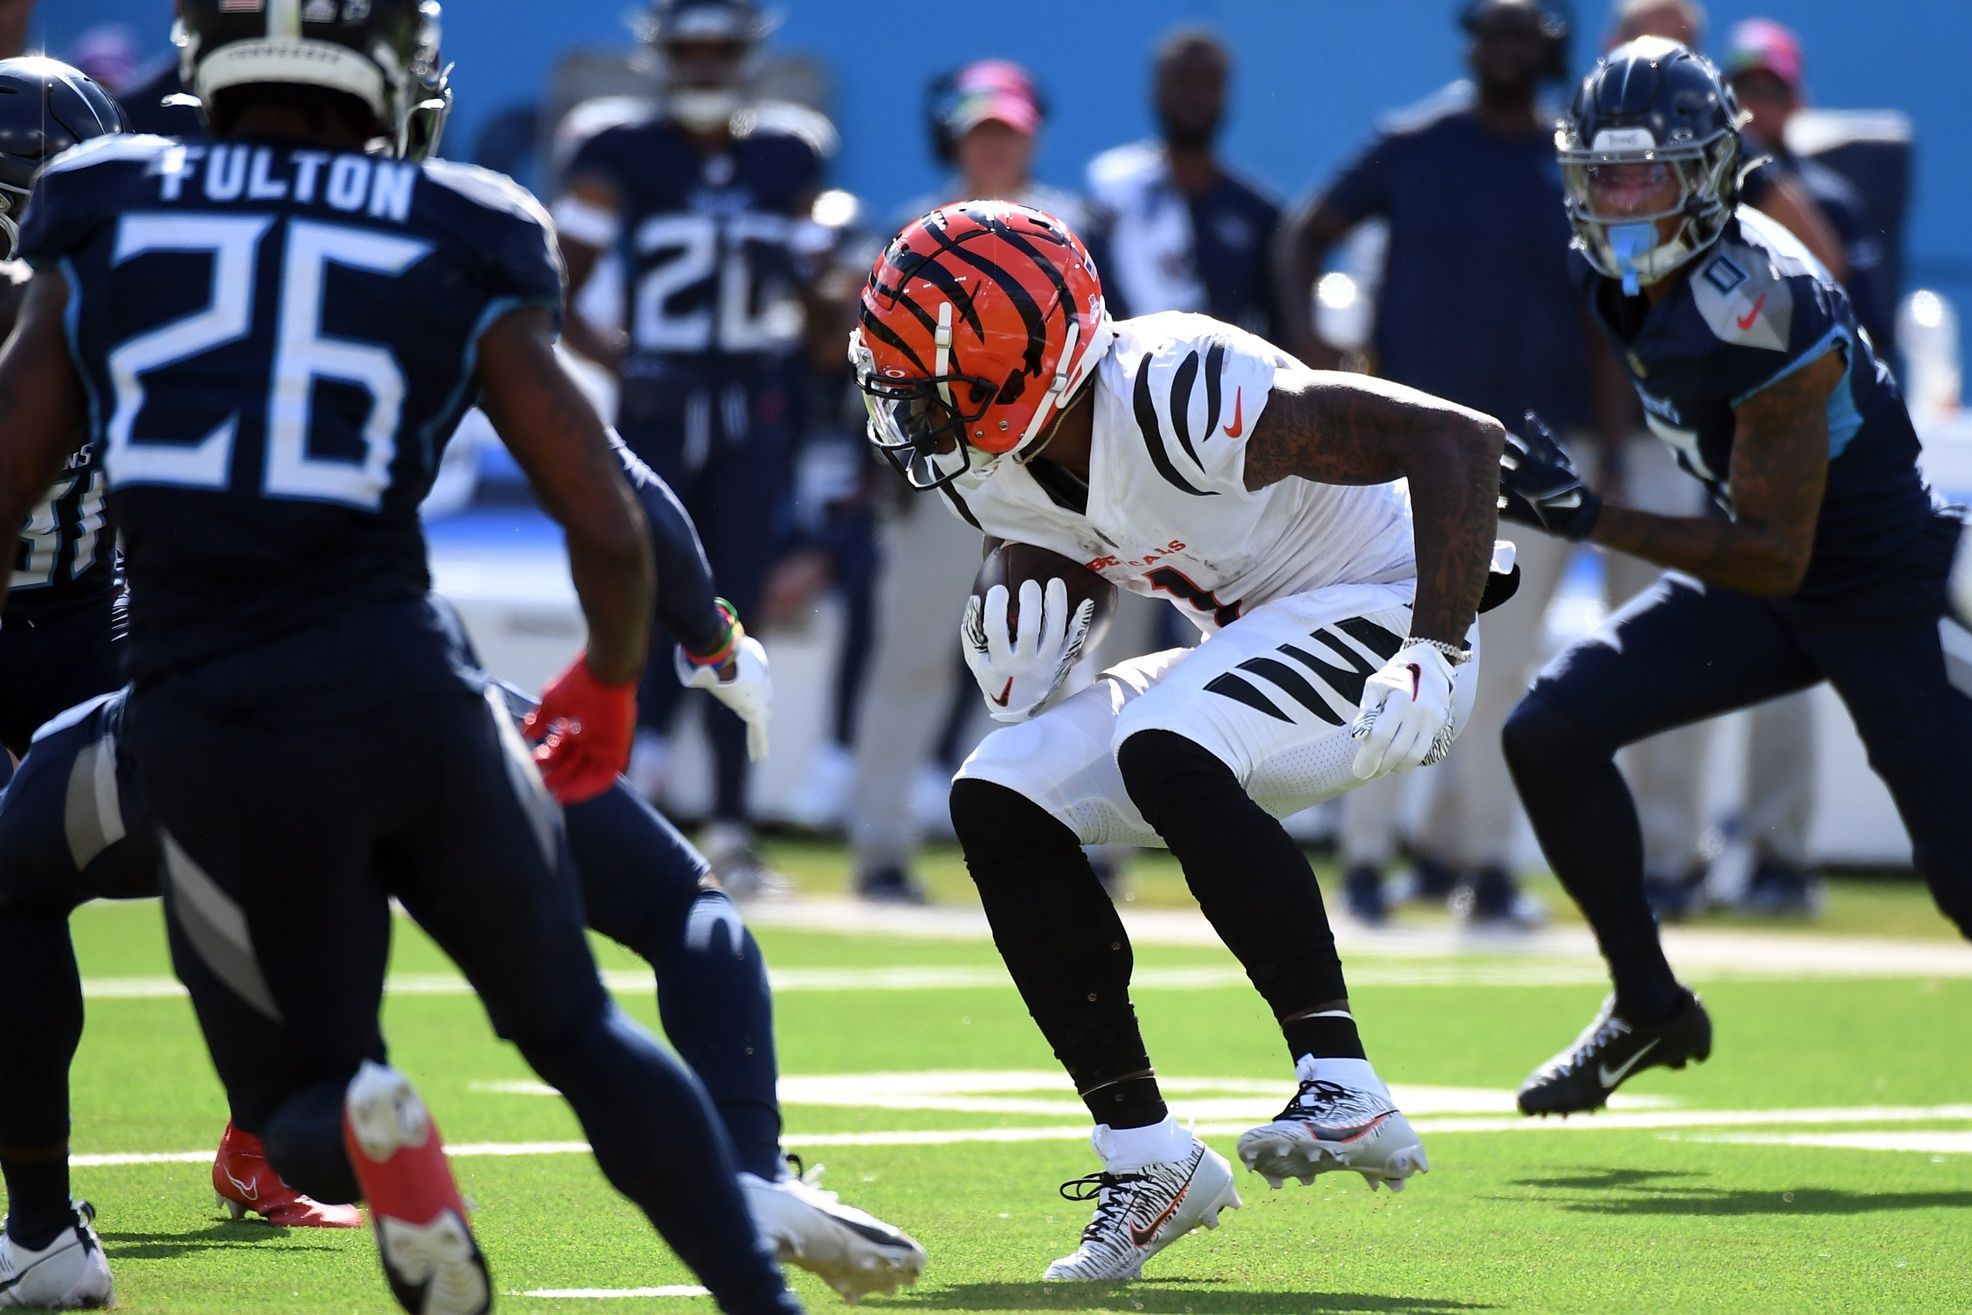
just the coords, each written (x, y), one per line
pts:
(1821, 1161)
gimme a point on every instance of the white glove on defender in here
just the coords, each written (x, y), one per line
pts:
(1405, 719)
(1019, 670)
(750, 692)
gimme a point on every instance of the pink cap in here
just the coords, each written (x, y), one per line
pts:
(1761, 43)
(995, 89)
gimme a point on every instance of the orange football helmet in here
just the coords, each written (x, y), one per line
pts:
(979, 324)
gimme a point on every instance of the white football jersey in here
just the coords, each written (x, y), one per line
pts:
(1169, 513)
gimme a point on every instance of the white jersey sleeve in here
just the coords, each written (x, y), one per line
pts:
(1196, 388)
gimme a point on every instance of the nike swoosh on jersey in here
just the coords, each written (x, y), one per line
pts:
(1746, 322)
(1238, 425)
(1609, 1079)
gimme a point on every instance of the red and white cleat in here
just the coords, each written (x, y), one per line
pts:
(429, 1255)
(246, 1184)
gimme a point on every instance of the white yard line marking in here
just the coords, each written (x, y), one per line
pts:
(1449, 971)
(1039, 1093)
(1610, 1121)
(1700, 952)
(1915, 1139)
(615, 1294)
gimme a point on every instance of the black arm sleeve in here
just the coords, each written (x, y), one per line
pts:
(685, 592)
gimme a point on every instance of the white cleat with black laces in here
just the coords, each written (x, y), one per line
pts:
(1329, 1126)
(1143, 1209)
(1610, 1050)
(852, 1251)
(69, 1273)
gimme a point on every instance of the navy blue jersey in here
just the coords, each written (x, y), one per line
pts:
(713, 247)
(1755, 308)
(1870, 291)
(65, 552)
(1475, 304)
(1158, 249)
(277, 343)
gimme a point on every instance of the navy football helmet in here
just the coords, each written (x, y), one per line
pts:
(45, 108)
(1652, 103)
(705, 50)
(384, 53)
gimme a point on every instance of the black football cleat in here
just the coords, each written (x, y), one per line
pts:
(1609, 1051)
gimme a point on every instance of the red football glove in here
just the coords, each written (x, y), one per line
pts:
(585, 728)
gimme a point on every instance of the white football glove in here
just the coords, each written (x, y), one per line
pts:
(1405, 719)
(750, 692)
(1019, 670)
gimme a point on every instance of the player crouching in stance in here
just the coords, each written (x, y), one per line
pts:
(1832, 564)
(1179, 456)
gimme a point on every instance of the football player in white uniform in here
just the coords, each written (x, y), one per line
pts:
(1182, 457)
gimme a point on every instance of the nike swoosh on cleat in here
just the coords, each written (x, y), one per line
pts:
(250, 1191)
(1610, 1079)
(1143, 1236)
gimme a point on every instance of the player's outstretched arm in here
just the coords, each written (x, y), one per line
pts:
(585, 221)
(1779, 470)
(1348, 429)
(42, 407)
(562, 445)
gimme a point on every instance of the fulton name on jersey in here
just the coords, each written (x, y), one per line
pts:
(1167, 511)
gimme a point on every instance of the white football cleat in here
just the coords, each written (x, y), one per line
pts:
(70, 1273)
(850, 1250)
(1142, 1210)
(1330, 1126)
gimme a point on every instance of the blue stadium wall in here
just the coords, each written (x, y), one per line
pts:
(1312, 77)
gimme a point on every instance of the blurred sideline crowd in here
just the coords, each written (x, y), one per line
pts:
(1438, 257)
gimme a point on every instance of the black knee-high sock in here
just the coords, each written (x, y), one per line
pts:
(658, 1142)
(1063, 945)
(1586, 821)
(1253, 883)
(719, 1015)
(42, 990)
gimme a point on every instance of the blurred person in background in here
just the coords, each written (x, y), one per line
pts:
(1512, 338)
(984, 122)
(705, 195)
(109, 53)
(1171, 226)
(14, 16)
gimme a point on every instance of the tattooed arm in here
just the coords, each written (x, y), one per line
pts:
(1346, 429)
(1779, 469)
(42, 409)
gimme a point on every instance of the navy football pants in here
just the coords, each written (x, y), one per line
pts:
(1682, 652)
(49, 663)
(283, 845)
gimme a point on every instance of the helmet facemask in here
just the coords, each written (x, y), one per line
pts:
(919, 424)
(1633, 247)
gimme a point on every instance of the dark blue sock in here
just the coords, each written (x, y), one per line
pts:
(640, 888)
(304, 1144)
(719, 1015)
(43, 994)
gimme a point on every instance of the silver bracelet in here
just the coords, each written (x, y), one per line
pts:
(1456, 654)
